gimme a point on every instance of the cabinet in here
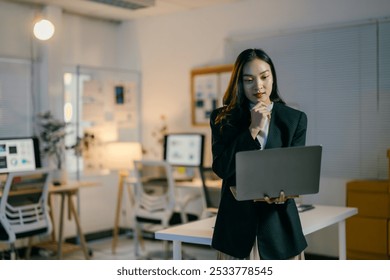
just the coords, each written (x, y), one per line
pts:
(368, 233)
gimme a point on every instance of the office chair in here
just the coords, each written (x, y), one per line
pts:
(24, 210)
(156, 202)
(211, 196)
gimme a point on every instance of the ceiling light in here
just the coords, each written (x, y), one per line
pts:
(43, 29)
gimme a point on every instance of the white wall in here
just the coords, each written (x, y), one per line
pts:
(16, 33)
(90, 42)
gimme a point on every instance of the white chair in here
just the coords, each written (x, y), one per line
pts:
(24, 210)
(155, 199)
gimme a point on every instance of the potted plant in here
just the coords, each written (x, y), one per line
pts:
(51, 135)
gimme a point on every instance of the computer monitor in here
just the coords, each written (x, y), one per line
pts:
(19, 154)
(184, 149)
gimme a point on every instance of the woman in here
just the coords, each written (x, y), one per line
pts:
(254, 117)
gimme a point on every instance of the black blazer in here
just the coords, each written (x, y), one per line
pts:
(277, 226)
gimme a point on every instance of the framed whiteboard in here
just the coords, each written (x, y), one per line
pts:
(208, 86)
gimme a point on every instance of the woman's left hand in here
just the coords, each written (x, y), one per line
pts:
(275, 200)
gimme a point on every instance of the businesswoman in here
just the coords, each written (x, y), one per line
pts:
(254, 117)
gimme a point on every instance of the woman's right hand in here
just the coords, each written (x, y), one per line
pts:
(259, 114)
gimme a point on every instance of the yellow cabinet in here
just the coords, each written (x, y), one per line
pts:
(388, 237)
(368, 233)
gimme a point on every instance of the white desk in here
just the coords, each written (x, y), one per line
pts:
(200, 232)
(196, 184)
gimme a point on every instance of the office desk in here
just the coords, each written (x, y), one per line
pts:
(196, 184)
(210, 194)
(200, 232)
(67, 192)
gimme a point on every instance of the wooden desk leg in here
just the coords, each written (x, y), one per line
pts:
(80, 232)
(61, 227)
(51, 213)
(342, 241)
(117, 215)
(132, 203)
(177, 250)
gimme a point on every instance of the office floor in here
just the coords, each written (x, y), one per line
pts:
(101, 250)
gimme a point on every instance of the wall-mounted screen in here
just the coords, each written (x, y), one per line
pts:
(184, 149)
(19, 154)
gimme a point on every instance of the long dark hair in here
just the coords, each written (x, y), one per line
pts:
(234, 97)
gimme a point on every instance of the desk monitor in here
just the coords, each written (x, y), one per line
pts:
(184, 149)
(19, 154)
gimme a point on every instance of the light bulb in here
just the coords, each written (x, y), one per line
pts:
(43, 29)
(68, 111)
(68, 79)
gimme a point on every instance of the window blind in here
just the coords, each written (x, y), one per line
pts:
(383, 97)
(15, 98)
(332, 74)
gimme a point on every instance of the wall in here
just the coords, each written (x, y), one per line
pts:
(79, 40)
(90, 42)
(15, 41)
(170, 46)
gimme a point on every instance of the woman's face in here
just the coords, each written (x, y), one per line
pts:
(257, 80)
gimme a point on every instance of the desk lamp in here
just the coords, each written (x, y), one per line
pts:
(120, 156)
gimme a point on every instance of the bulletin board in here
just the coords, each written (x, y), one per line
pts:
(105, 104)
(208, 86)
(109, 114)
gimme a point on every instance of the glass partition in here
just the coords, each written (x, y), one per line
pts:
(101, 106)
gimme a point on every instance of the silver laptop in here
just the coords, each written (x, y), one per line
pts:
(294, 170)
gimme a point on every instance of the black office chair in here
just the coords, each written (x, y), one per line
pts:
(24, 210)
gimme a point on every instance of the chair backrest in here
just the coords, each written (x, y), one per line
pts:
(154, 190)
(24, 209)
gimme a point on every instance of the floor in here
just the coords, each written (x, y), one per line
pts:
(102, 250)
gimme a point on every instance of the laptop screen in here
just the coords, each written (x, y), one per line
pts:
(19, 154)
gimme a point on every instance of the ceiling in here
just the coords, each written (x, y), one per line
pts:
(101, 10)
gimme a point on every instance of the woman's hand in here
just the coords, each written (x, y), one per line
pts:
(277, 200)
(259, 114)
